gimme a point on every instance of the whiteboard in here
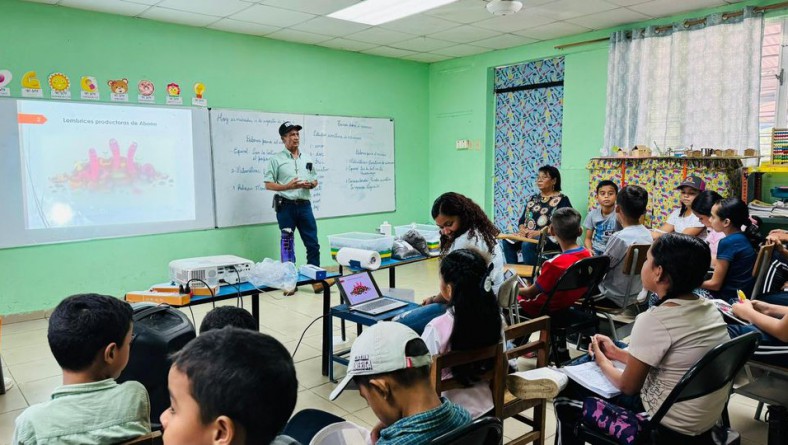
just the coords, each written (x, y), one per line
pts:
(353, 156)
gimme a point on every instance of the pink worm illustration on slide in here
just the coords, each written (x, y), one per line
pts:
(114, 172)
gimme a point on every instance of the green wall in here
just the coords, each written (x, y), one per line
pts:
(240, 71)
(462, 106)
(453, 97)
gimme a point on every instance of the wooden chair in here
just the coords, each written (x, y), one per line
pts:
(633, 263)
(512, 406)
(153, 438)
(760, 268)
(494, 375)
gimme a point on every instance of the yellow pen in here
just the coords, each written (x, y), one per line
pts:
(741, 295)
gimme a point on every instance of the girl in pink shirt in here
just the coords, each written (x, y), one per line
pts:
(472, 321)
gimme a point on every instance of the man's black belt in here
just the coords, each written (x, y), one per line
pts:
(295, 201)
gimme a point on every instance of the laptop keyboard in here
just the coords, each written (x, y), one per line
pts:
(372, 305)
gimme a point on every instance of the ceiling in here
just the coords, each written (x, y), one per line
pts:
(458, 29)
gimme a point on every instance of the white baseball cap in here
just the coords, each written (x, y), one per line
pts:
(381, 349)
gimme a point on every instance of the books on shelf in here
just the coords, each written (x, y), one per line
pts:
(766, 210)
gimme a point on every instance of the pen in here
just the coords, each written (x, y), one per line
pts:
(591, 347)
(521, 281)
(741, 295)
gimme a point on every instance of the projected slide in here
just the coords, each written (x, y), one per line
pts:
(86, 165)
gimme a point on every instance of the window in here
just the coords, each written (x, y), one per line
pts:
(773, 83)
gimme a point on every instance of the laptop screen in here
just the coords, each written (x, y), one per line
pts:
(359, 288)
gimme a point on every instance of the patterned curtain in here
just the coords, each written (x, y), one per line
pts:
(529, 115)
(689, 85)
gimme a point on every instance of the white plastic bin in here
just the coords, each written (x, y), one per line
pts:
(361, 240)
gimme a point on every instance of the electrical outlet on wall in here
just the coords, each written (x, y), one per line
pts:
(462, 144)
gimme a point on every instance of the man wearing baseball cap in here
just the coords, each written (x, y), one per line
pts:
(291, 174)
(390, 365)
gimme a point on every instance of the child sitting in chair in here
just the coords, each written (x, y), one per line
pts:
(90, 336)
(565, 226)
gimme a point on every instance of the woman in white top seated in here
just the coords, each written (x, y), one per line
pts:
(667, 340)
(463, 224)
(682, 220)
(472, 321)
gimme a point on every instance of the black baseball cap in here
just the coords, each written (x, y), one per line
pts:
(287, 127)
(694, 182)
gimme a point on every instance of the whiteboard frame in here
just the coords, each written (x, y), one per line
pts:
(302, 117)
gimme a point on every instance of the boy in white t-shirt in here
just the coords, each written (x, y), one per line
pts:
(601, 223)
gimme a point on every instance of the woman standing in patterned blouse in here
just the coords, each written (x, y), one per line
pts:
(536, 216)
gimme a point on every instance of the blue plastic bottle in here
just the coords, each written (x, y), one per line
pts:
(287, 246)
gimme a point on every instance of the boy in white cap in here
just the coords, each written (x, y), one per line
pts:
(390, 364)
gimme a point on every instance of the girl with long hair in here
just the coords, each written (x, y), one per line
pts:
(473, 320)
(736, 252)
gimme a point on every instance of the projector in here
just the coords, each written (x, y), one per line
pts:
(504, 7)
(211, 269)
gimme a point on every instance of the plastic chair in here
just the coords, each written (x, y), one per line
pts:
(482, 431)
(633, 263)
(713, 371)
(513, 406)
(584, 274)
(760, 269)
(507, 299)
(153, 438)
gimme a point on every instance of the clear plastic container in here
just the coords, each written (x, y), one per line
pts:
(361, 240)
(430, 232)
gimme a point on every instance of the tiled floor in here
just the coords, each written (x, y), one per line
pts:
(27, 360)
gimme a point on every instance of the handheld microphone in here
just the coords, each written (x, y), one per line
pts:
(309, 166)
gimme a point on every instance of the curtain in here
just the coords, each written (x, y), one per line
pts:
(693, 85)
(529, 103)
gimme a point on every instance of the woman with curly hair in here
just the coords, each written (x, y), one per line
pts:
(463, 224)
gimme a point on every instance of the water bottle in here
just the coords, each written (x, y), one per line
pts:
(287, 246)
(385, 228)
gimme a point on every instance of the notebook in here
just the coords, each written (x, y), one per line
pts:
(362, 294)
(590, 376)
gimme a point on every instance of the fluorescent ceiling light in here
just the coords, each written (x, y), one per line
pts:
(375, 12)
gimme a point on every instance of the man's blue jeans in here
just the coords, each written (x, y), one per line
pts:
(299, 216)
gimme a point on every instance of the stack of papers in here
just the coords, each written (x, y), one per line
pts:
(591, 377)
(760, 209)
(765, 210)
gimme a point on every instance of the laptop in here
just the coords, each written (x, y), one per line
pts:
(363, 295)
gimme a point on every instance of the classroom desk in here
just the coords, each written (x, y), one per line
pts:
(230, 291)
(391, 264)
(343, 313)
